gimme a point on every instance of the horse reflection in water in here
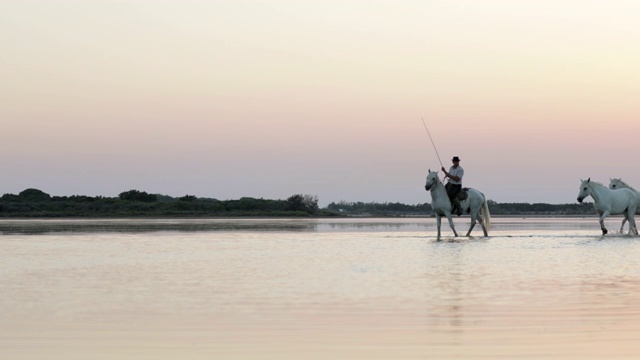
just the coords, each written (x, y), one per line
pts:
(474, 204)
(610, 202)
(615, 184)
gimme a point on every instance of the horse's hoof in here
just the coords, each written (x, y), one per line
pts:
(604, 231)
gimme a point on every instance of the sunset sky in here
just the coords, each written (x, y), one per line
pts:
(266, 99)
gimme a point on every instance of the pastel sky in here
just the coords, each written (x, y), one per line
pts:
(267, 99)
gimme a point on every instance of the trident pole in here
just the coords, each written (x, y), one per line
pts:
(432, 143)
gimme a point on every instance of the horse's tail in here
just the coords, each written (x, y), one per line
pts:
(486, 216)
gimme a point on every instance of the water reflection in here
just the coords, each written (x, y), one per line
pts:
(551, 223)
(450, 284)
(45, 226)
(332, 288)
(35, 227)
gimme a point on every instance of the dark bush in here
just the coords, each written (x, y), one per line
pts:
(135, 195)
(34, 195)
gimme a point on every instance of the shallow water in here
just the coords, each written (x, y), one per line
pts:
(317, 289)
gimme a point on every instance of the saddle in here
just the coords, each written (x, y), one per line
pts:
(462, 194)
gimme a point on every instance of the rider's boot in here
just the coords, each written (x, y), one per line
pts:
(457, 208)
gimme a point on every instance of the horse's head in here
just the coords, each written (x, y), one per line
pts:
(615, 184)
(585, 189)
(432, 180)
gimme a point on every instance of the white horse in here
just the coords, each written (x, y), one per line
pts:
(474, 203)
(619, 184)
(610, 202)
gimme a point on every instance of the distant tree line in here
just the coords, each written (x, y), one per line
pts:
(540, 209)
(398, 209)
(379, 209)
(135, 203)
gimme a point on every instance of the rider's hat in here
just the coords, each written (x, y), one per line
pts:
(455, 158)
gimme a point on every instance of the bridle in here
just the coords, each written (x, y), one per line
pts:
(434, 184)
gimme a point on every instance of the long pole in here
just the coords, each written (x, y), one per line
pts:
(432, 143)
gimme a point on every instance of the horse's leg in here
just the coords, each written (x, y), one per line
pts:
(451, 224)
(632, 227)
(602, 217)
(484, 209)
(622, 226)
(484, 228)
(480, 220)
(473, 222)
(633, 230)
(438, 221)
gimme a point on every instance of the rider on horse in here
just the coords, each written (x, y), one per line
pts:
(454, 184)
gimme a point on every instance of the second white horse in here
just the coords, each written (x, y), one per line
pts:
(610, 202)
(619, 184)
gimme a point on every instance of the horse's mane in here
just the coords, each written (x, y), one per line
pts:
(596, 183)
(624, 184)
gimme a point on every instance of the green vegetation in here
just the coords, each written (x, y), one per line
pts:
(379, 209)
(541, 209)
(515, 209)
(134, 203)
